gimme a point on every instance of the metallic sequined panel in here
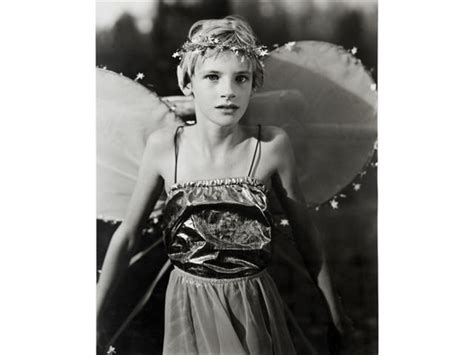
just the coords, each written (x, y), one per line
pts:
(218, 228)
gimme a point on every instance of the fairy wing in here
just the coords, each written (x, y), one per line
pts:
(326, 101)
(126, 114)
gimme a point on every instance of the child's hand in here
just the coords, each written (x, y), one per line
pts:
(180, 105)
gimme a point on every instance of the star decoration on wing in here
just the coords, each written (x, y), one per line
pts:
(290, 45)
(334, 204)
(284, 222)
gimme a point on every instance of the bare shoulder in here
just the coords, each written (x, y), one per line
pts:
(268, 134)
(275, 149)
(276, 139)
(160, 148)
(162, 138)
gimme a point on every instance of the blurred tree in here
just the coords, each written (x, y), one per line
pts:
(124, 49)
(268, 19)
(170, 29)
(351, 32)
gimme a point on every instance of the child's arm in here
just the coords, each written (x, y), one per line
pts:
(125, 239)
(308, 242)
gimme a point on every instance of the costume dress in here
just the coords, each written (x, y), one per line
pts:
(220, 299)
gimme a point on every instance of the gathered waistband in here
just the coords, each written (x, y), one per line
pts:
(210, 280)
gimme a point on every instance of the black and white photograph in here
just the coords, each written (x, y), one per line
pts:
(237, 177)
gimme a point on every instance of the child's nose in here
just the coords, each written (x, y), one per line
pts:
(227, 89)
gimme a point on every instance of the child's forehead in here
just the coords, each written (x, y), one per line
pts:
(223, 61)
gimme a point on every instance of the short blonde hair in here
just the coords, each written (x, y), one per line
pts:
(231, 31)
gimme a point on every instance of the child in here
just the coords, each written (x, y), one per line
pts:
(216, 224)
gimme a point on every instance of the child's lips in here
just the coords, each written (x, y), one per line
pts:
(228, 107)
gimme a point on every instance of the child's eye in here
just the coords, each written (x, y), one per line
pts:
(212, 77)
(242, 78)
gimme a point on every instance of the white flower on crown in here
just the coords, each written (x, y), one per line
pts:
(196, 39)
(262, 51)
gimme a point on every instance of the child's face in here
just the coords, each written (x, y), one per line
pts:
(222, 86)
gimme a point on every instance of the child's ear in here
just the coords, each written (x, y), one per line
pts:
(186, 89)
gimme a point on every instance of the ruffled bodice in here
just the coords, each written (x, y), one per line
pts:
(218, 228)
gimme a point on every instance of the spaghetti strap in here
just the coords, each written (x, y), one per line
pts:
(176, 150)
(256, 149)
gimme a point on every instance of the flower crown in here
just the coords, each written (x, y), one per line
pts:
(200, 44)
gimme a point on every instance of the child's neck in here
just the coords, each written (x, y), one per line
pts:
(214, 141)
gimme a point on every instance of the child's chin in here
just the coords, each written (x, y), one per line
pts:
(234, 116)
(226, 120)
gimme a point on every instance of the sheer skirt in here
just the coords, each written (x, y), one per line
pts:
(224, 316)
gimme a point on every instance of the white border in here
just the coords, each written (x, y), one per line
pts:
(425, 178)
